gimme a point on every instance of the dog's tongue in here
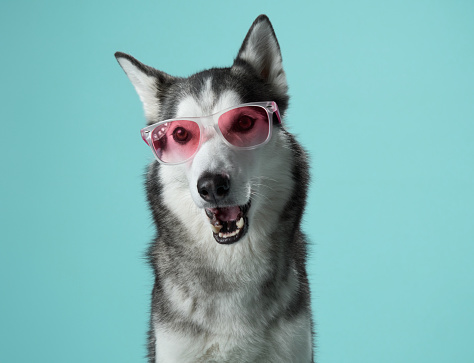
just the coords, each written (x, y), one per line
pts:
(226, 214)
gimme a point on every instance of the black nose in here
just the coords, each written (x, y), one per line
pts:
(213, 187)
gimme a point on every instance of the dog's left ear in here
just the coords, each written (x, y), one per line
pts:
(261, 51)
(149, 83)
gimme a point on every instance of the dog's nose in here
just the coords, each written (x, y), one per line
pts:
(213, 187)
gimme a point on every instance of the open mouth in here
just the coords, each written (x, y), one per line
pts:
(228, 224)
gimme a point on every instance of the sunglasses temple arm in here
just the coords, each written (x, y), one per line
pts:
(276, 111)
(144, 137)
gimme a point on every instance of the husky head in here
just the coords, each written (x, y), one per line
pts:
(221, 194)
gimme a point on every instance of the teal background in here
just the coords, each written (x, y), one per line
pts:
(382, 97)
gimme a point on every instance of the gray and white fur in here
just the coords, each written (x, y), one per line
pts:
(247, 301)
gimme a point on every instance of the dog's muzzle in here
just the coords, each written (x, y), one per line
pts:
(230, 223)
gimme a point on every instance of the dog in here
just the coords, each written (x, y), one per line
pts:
(227, 193)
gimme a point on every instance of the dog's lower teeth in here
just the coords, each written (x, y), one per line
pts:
(228, 223)
(229, 234)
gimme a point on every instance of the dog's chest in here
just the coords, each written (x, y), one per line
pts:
(185, 349)
(285, 341)
(237, 325)
(223, 309)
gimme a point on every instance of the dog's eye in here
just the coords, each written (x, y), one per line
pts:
(181, 135)
(244, 123)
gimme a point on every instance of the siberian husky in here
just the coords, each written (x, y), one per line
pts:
(227, 193)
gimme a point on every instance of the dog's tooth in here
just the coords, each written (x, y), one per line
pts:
(216, 229)
(232, 234)
(229, 234)
(240, 223)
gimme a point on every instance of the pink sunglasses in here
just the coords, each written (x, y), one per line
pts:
(244, 127)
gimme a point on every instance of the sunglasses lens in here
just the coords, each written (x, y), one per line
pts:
(176, 141)
(245, 126)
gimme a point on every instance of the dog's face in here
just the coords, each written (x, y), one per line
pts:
(231, 189)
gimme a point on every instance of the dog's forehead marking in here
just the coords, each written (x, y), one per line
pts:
(227, 99)
(200, 105)
(188, 107)
(206, 103)
(207, 97)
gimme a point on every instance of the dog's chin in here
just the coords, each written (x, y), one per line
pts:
(228, 224)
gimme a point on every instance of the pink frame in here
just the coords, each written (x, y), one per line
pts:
(211, 121)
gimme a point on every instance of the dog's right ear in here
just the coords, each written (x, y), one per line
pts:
(261, 51)
(148, 82)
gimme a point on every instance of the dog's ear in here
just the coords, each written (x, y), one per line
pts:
(261, 51)
(149, 83)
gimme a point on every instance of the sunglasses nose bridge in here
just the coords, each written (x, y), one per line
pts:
(209, 127)
(207, 121)
(209, 132)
